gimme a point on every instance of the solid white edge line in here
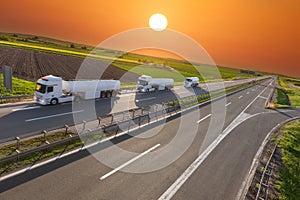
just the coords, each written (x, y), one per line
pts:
(26, 108)
(170, 192)
(228, 104)
(128, 162)
(207, 116)
(50, 116)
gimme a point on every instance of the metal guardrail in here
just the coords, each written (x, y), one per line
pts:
(264, 181)
(113, 123)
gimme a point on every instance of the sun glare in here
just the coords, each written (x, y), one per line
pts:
(158, 22)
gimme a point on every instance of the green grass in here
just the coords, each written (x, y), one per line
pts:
(20, 87)
(288, 86)
(183, 68)
(289, 143)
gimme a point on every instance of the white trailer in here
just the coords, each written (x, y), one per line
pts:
(191, 82)
(149, 84)
(52, 89)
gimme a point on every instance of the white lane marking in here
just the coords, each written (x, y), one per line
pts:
(240, 97)
(228, 104)
(50, 116)
(263, 97)
(248, 92)
(207, 116)
(170, 192)
(138, 100)
(128, 162)
(26, 108)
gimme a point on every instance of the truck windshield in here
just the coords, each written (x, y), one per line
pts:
(40, 88)
(188, 80)
(141, 82)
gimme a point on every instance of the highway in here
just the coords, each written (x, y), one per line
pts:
(26, 119)
(214, 166)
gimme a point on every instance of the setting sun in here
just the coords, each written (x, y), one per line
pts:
(158, 22)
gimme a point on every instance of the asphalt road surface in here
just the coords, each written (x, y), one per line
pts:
(201, 163)
(24, 119)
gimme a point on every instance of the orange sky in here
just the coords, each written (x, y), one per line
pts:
(253, 34)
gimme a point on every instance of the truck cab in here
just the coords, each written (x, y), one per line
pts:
(191, 82)
(143, 84)
(48, 90)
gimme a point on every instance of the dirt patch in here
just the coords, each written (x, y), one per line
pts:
(31, 65)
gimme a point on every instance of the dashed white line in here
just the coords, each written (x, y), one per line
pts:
(50, 116)
(228, 104)
(247, 92)
(138, 100)
(170, 192)
(128, 162)
(240, 97)
(263, 97)
(26, 108)
(207, 116)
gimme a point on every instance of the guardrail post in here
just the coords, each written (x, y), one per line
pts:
(124, 113)
(45, 136)
(104, 128)
(148, 117)
(140, 120)
(83, 127)
(66, 129)
(18, 145)
(112, 119)
(99, 121)
(142, 111)
(133, 112)
(117, 129)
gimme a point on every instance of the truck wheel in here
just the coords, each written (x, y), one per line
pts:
(108, 94)
(53, 101)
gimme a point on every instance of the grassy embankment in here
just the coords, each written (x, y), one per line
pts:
(20, 87)
(288, 92)
(140, 64)
(289, 176)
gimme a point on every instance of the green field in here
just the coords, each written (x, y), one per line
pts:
(20, 87)
(288, 91)
(140, 64)
(289, 175)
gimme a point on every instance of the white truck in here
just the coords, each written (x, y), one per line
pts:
(149, 84)
(52, 89)
(191, 82)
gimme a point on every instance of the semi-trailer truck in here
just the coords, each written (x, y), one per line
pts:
(149, 84)
(52, 89)
(191, 82)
